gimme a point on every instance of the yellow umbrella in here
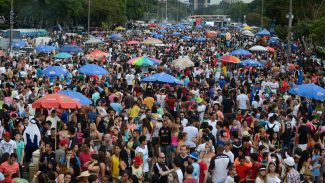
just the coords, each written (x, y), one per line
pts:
(152, 41)
(119, 28)
(248, 28)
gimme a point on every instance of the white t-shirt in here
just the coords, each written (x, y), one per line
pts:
(231, 155)
(214, 127)
(184, 122)
(54, 121)
(8, 147)
(129, 78)
(191, 133)
(145, 156)
(242, 100)
(179, 175)
(275, 128)
(201, 148)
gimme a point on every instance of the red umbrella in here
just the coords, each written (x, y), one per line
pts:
(57, 101)
(152, 25)
(96, 54)
(133, 42)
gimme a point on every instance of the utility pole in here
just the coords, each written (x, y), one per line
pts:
(262, 14)
(290, 16)
(88, 26)
(11, 23)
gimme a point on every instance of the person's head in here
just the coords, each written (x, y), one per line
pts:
(67, 177)
(232, 171)
(227, 146)
(272, 167)
(220, 149)
(92, 179)
(126, 176)
(173, 177)
(117, 149)
(262, 171)
(92, 126)
(193, 157)
(242, 160)
(143, 140)
(6, 136)
(12, 158)
(17, 137)
(189, 170)
(53, 113)
(48, 146)
(162, 158)
(183, 150)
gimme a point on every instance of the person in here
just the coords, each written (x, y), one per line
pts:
(192, 134)
(292, 174)
(173, 178)
(316, 162)
(177, 163)
(32, 137)
(143, 149)
(272, 176)
(137, 168)
(165, 139)
(160, 168)
(7, 145)
(192, 160)
(242, 101)
(9, 168)
(243, 167)
(303, 131)
(189, 175)
(231, 175)
(261, 176)
(219, 166)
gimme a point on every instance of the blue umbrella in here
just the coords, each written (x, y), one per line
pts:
(62, 55)
(55, 71)
(263, 32)
(44, 48)
(93, 70)
(199, 39)
(250, 63)
(222, 34)
(240, 52)
(187, 38)
(224, 28)
(293, 46)
(311, 91)
(158, 36)
(162, 78)
(76, 96)
(176, 34)
(71, 49)
(116, 37)
(19, 44)
(198, 27)
(162, 31)
(273, 41)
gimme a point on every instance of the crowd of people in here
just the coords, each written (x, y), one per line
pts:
(225, 124)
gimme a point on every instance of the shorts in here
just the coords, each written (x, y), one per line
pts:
(173, 148)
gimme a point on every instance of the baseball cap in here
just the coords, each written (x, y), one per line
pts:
(194, 155)
(137, 160)
(6, 134)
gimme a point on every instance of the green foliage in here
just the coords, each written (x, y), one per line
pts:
(317, 30)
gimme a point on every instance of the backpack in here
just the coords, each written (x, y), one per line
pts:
(270, 130)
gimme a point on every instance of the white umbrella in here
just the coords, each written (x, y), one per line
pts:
(248, 33)
(183, 63)
(258, 48)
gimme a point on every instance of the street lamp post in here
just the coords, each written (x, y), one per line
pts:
(11, 23)
(166, 10)
(290, 17)
(88, 26)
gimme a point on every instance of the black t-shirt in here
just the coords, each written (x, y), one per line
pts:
(165, 135)
(227, 105)
(163, 167)
(46, 156)
(303, 131)
(182, 167)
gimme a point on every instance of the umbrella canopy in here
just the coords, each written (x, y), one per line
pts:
(263, 32)
(132, 42)
(96, 54)
(311, 91)
(176, 34)
(144, 61)
(71, 49)
(152, 41)
(120, 28)
(92, 70)
(116, 37)
(19, 44)
(187, 38)
(94, 41)
(158, 36)
(270, 49)
(152, 25)
(258, 48)
(62, 55)
(57, 101)
(211, 34)
(44, 48)
(240, 52)
(293, 46)
(55, 71)
(162, 78)
(199, 39)
(248, 28)
(224, 28)
(250, 63)
(162, 31)
(198, 27)
(229, 59)
(273, 41)
(183, 63)
(247, 33)
(76, 96)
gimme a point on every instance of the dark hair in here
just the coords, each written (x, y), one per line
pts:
(142, 138)
(13, 155)
(92, 178)
(189, 169)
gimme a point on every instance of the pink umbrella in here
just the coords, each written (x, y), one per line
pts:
(133, 42)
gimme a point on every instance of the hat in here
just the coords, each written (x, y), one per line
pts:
(64, 142)
(137, 160)
(6, 134)
(84, 174)
(246, 134)
(289, 161)
(194, 155)
(261, 168)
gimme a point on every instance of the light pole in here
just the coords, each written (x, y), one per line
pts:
(11, 23)
(262, 14)
(88, 26)
(290, 17)
(166, 10)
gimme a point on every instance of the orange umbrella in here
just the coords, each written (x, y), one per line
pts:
(229, 59)
(270, 49)
(57, 101)
(211, 34)
(96, 54)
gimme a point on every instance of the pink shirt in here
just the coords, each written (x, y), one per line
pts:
(5, 168)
